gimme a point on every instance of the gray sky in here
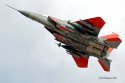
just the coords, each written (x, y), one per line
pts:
(28, 53)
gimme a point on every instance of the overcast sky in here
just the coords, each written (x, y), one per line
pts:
(28, 53)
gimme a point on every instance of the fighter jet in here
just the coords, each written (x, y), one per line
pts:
(79, 38)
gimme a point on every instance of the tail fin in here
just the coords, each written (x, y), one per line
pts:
(112, 40)
(109, 51)
(105, 64)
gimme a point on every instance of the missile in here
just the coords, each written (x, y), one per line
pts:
(37, 17)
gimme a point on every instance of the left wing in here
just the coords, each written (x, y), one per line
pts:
(92, 25)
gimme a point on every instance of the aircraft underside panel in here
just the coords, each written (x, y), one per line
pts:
(83, 44)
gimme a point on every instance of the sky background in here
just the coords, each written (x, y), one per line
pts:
(28, 53)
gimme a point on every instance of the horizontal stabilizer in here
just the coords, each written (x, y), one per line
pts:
(112, 40)
(81, 61)
(105, 64)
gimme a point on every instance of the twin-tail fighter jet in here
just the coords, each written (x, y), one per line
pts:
(79, 38)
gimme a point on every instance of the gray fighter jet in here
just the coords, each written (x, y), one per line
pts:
(79, 38)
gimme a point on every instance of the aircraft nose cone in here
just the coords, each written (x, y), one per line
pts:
(25, 13)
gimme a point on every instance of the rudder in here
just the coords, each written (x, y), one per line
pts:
(105, 64)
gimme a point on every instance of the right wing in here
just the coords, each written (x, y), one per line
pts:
(91, 25)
